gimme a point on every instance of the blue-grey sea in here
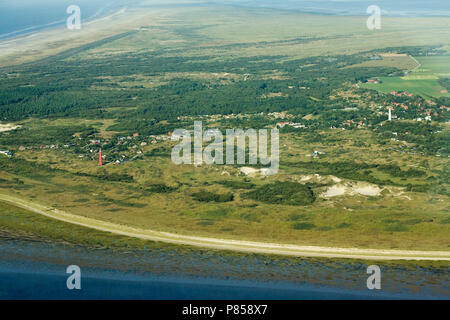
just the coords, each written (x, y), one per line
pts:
(31, 269)
(21, 17)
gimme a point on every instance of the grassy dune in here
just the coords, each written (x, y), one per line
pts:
(394, 219)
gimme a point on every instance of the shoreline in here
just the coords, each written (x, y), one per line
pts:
(119, 271)
(47, 42)
(230, 244)
(101, 13)
(55, 26)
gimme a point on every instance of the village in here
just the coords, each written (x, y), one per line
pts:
(124, 148)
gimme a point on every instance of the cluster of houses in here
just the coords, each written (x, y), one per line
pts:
(291, 124)
(316, 154)
(426, 113)
(402, 105)
(351, 123)
(374, 81)
(401, 94)
(427, 118)
(280, 115)
(216, 117)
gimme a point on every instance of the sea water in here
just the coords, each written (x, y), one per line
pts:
(21, 17)
(37, 270)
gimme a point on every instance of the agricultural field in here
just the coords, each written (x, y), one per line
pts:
(423, 80)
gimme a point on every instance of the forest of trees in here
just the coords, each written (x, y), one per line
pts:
(56, 87)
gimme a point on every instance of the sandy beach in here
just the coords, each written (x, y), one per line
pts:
(49, 42)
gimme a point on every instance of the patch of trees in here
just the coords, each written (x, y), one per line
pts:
(161, 188)
(206, 196)
(287, 193)
(111, 177)
(62, 88)
(395, 171)
(445, 82)
(237, 184)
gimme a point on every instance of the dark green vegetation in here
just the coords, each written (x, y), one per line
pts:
(161, 188)
(46, 135)
(71, 87)
(205, 196)
(288, 193)
(237, 184)
(445, 82)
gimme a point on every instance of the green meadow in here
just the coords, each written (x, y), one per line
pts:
(423, 81)
(422, 87)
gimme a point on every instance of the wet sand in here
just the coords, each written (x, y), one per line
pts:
(45, 43)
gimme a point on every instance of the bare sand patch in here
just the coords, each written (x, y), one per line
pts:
(334, 191)
(49, 42)
(249, 171)
(8, 127)
(368, 190)
(351, 189)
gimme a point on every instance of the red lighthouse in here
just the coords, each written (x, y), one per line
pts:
(100, 159)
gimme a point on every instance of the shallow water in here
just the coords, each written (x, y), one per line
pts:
(21, 17)
(32, 285)
(36, 270)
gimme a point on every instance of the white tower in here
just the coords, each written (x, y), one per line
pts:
(390, 114)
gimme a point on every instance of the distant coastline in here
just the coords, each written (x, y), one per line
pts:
(308, 7)
(93, 14)
(398, 8)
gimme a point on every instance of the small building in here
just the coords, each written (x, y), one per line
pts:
(283, 124)
(316, 154)
(298, 126)
(7, 153)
